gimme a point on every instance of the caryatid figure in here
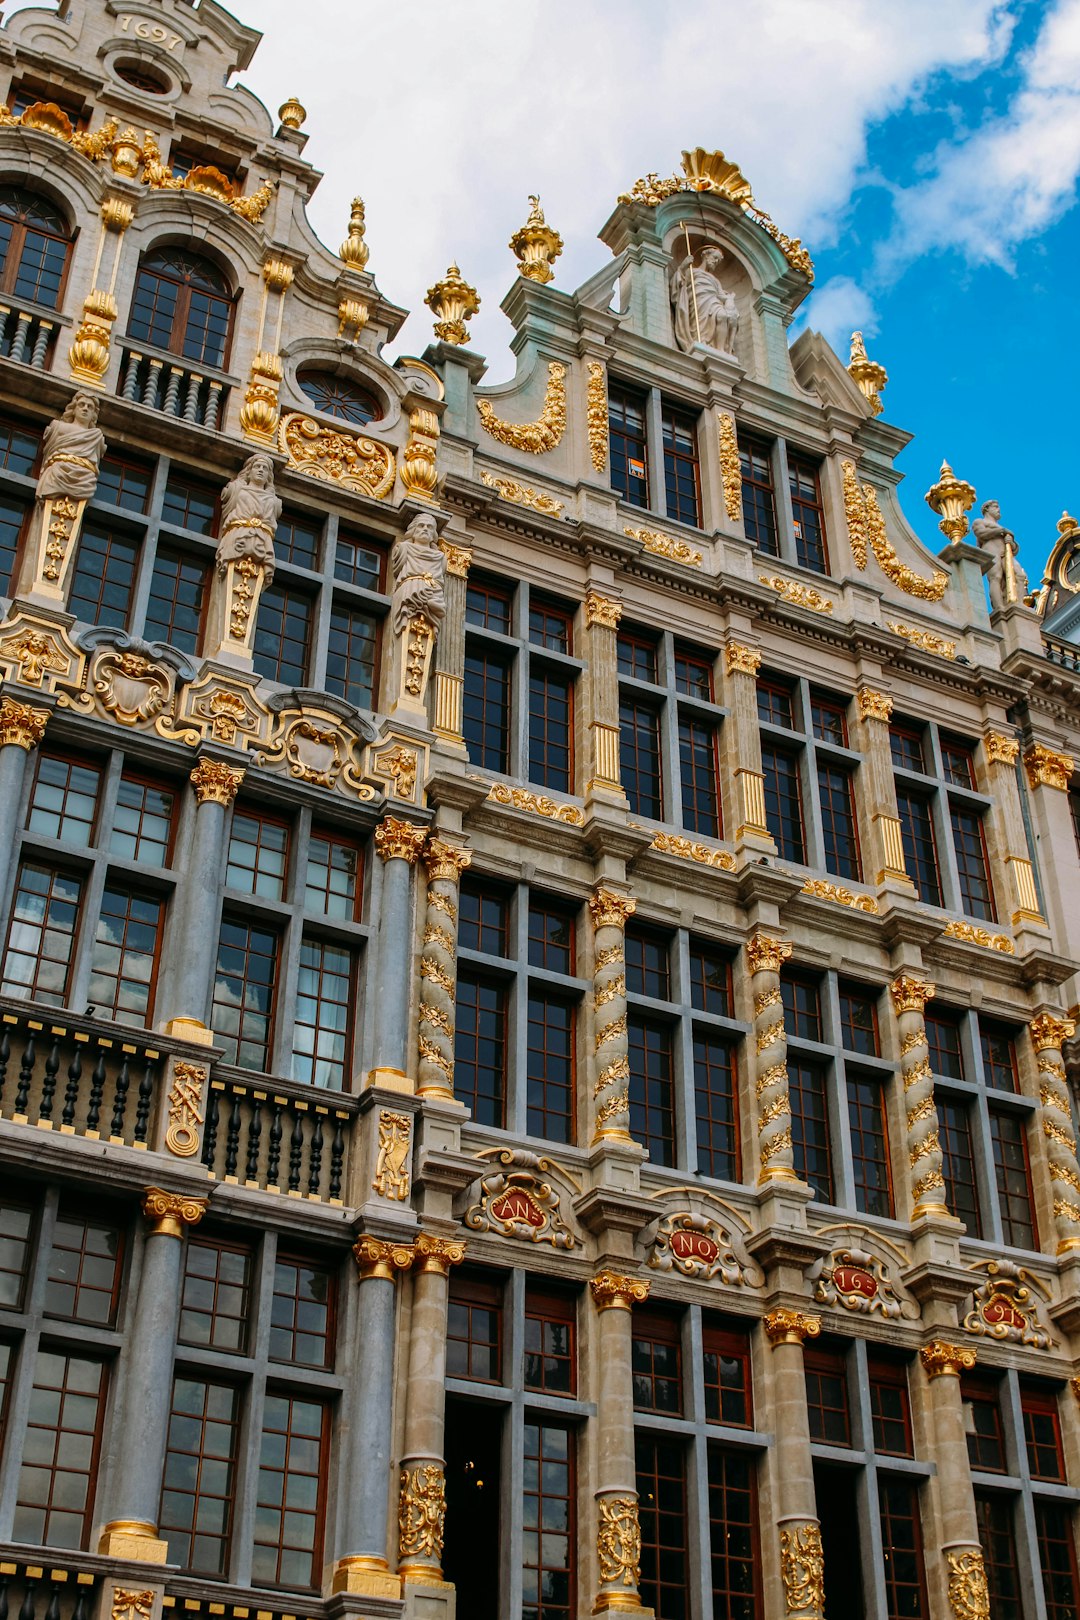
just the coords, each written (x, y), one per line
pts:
(417, 607)
(250, 510)
(71, 452)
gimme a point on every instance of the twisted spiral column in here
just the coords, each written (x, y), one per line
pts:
(1047, 1037)
(438, 967)
(610, 1062)
(776, 1149)
(909, 997)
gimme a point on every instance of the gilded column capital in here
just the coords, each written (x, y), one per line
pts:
(910, 993)
(376, 1258)
(969, 1595)
(1000, 748)
(445, 861)
(21, 725)
(874, 705)
(277, 274)
(1045, 768)
(167, 1214)
(610, 1291)
(397, 840)
(766, 954)
(602, 610)
(458, 559)
(941, 1359)
(741, 660)
(785, 1326)
(215, 782)
(437, 1253)
(116, 214)
(1048, 1032)
(609, 909)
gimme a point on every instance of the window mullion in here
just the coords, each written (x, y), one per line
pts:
(517, 1035)
(785, 517)
(654, 453)
(513, 1441)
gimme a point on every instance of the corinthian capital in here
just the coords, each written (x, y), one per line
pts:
(610, 1291)
(785, 1326)
(21, 724)
(397, 840)
(766, 954)
(445, 861)
(910, 993)
(609, 909)
(215, 782)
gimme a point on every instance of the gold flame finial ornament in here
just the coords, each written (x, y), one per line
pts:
(868, 376)
(453, 302)
(354, 250)
(292, 113)
(536, 246)
(951, 498)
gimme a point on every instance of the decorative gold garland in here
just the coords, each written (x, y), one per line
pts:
(541, 435)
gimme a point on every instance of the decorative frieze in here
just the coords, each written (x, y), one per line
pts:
(969, 1594)
(356, 463)
(802, 1569)
(538, 804)
(520, 1200)
(790, 590)
(689, 849)
(926, 640)
(821, 889)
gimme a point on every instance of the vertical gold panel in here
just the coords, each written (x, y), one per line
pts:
(449, 691)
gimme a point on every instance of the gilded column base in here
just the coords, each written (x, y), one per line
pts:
(133, 1539)
(777, 1172)
(391, 1080)
(192, 1030)
(622, 1603)
(424, 1575)
(365, 1574)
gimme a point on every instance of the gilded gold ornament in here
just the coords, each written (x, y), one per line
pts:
(602, 610)
(610, 909)
(354, 250)
(611, 1291)
(951, 499)
(376, 1258)
(534, 437)
(596, 414)
(766, 954)
(167, 1214)
(391, 1179)
(522, 494)
(20, 725)
(292, 113)
(969, 1596)
(618, 1540)
(397, 840)
(1001, 749)
(786, 1326)
(421, 1512)
(356, 463)
(730, 466)
(867, 375)
(910, 994)
(453, 302)
(925, 640)
(874, 705)
(802, 1569)
(798, 595)
(1045, 768)
(688, 849)
(662, 545)
(973, 935)
(215, 782)
(538, 803)
(823, 890)
(943, 1360)
(741, 660)
(536, 246)
(185, 1108)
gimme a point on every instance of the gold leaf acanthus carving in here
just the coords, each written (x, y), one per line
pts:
(534, 437)
(798, 595)
(596, 414)
(730, 467)
(618, 1540)
(823, 890)
(538, 803)
(905, 578)
(203, 178)
(925, 640)
(662, 545)
(688, 849)
(973, 935)
(969, 1596)
(363, 465)
(802, 1569)
(522, 494)
(422, 1512)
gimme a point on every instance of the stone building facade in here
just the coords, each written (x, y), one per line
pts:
(539, 920)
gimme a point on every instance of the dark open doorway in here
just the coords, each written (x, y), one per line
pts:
(473, 1486)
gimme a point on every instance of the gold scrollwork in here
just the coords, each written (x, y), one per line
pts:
(730, 467)
(905, 578)
(215, 782)
(391, 1178)
(539, 804)
(422, 1512)
(522, 494)
(741, 660)
(596, 414)
(802, 1569)
(128, 1605)
(618, 1540)
(185, 1108)
(534, 437)
(601, 610)
(787, 1326)
(910, 994)
(925, 640)
(611, 1291)
(21, 725)
(969, 1596)
(688, 849)
(610, 909)
(662, 545)
(766, 954)
(1045, 768)
(823, 890)
(874, 705)
(798, 595)
(167, 1214)
(356, 463)
(942, 1360)
(399, 840)
(980, 936)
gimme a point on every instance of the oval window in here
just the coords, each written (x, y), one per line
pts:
(337, 396)
(141, 76)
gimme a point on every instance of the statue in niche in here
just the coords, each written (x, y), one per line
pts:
(419, 575)
(1007, 580)
(250, 509)
(705, 311)
(71, 452)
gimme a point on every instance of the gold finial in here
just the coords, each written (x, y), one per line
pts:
(453, 302)
(869, 377)
(950, 498)
(354, 250)
(1067, 524)
(292, 113)
(536, 246)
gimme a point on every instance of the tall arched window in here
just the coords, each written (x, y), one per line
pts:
(182, 304)
(34, 246)
(340, 397)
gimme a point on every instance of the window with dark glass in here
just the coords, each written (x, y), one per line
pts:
(681, 480)
(972, 863)
(828, 720)
(551, 626)
(693, 673)
(648, 963)
(665, 1565)
(16, 1225)
(55, 1494)
(549, 1539)
(808, 1091)
(243, 1005)
(808, 514)
(628, 445)
(699, 767)
(550, 1067)
(189, 503)
(869, 1145)
(958, 1155)
(1057, 1558)
(297, 540)
(902, 1551)
(333, 883)
(302, 1312)
(637, 655)
(920, 848)
(474, 1329)
(336, 395)
(710, 979)
(124, 482)
(282, 635)
(997, 1537)
(728, 1384)
(982, 1416)
(551, 727)
(104, 577)
(999, 1057)
(858, 1018)
(656, 1360)
(551, 935)
(946, 1045)
(906, 744)
(480, 1047)
(1012, 1171)
(639, 757)
(215, 1298)
(716, 1107)
(1042, 1432)
(758, 497)
(483, 918)
(783, 802)
(199, 1485)
(486, 708)
(85, 1267)
(258, 854)
(836, 791)
(290, 1492)
(775, 704)
(957, 762)
(352, 656)
(890, 1407)
(652, 1101)
(801, 1000)
(179, 591)
(182, 303)
(358, 560)
(323, 1028)
(733, 1521)
(488, 605)
(13, 516)
(35, 241)
(827, 1402)
(550, 1341)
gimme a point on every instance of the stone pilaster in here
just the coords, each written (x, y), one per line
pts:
(194, 925)
(422, 1480)
(802, 1567)
(22, 727)
(909, 997)
(135, 1484)
(1048, 1034)
(610, 1059)
(364, 1568)
(399, 845)
(776, 1150)
(963, 1575)
(618, 1532)
(449, 681)
(1009, 842)
(742, 745)
(878, 786)
(445, 863)
(602, 615)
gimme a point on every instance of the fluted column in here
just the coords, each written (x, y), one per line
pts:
(364, 1567)
(1047, 1036)
(878, 786)
(444, 863)
(194, 924)
(776, 1150)
(602, 615)
(398, 844)
(422, 1481)
(1009, 838)
(802, 1566)
(143, 1426)
(21, 730)
(618, 1534)
(741, 740)
(964, 1574)
(449, 682)
(909, 997)
(610, 1060)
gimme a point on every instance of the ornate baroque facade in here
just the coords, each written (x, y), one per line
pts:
(539, 920)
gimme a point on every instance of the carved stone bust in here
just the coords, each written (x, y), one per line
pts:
(705, 311)
(72, 448)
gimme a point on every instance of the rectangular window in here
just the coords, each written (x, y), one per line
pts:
(282, 633)
(85, 1268)
(488, 605)
(486, 709)
(681, 482)
(189, 503)
(656, 1360)
(890, 1407)
(483, 919)
(802, 1007)
(64, 801)
(906, 745)
(302, 1313)
(699, 770)
(297, 539)
(41, 938)
(999, 1057)
(639, 757)
(243, 1009)
(142, 825)
(325, 997)
(60, 1451)
(858, 1020)
(901, 1541)
(828, 719)
(215, 1304)
(957, 762)
(783, 802)
(985, 1435)
(758, 497)
(549, 1531)
(775, 705)
(997, 1537)
(550, 1068)
(869, 1145)
(15, 1226)
(954, 1122)
(550, 1334)
(104, 577)
(629, 456)
(124, 483)
(946, 1048)
(920, 848)
(1042, 1434)
(1013, 1174)
(19, 446)
(474, 1330)
(351, 656)
(1057, 1557)
(808, 1088)
(808, 514)
(637, 656)
(972, 866)
(179, 592)
(334, 881)
(12, 518)
(694, 674)
(123, 967)
(648, 969)
(665, 1564)
(717, 1119)
(733, 1517)
(358, 561)
(480, 1049)
(728, 1385)
(710, 980)
(199, 1484)
(652, 1105)
(551, 626)
(551, 936)
(836, 791)
(289, 1501)
(258, 856)
(551, 728)
(827, 1404)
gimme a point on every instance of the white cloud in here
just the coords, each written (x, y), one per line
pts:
(838, 307)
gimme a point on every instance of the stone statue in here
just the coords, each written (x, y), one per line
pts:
(1007, 580)
(250, 510)
(419, 575)
(705, 312)
(72, 448)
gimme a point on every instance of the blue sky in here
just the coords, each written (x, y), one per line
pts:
(927, 151)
